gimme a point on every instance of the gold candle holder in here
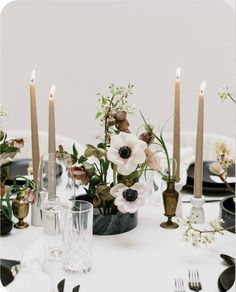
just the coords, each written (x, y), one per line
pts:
(170, 199)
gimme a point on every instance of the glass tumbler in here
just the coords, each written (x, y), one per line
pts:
(77, 231)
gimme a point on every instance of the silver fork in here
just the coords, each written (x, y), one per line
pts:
(179, 285)
(194, 280)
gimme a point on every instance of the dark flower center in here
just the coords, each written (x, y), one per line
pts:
(125, 152)
(130, 195)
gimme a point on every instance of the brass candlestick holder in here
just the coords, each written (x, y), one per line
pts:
(170, 199)
(20, 208)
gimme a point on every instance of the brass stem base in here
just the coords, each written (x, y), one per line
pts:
(21, 225)
(169, 225)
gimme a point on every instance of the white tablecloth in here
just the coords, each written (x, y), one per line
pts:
(146, 259)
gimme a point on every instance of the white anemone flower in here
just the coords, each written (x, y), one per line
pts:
(128, 200)
(126, 151)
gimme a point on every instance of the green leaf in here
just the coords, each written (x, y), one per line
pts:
(105, 165)
(103, 192)
(101, 145)
(130, 179)
(75, 152)
(95, 180)
(89, 152)
(99, 153)
(82, 159)
(89, 168)
(98, 114)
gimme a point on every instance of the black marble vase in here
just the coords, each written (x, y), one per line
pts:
(227, 213)
(111, 224)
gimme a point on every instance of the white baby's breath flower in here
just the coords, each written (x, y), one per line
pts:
(216, 168)
(224, 93)
(222, 149)
(3, 111)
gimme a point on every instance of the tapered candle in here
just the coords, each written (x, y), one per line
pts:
(198, 169)
(51, 125)
(51, 148)
(176, 132)
(34, 128)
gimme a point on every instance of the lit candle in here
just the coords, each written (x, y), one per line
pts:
(51, 127)
(34, 128)
(176, 132)
(198, 169)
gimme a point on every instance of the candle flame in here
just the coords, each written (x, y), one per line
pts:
(32, 76)
(203, 86)
(53, 89)
(178, 72)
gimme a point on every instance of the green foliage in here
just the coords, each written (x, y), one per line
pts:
(5, 202)
(129, 180)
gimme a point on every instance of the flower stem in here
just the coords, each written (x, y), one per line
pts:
(231, 97)
(114, 174)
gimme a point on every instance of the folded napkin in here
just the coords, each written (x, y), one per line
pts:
(31, 276)
(187, 155)
(2, 288)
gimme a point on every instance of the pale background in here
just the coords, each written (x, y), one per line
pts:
(84, 46)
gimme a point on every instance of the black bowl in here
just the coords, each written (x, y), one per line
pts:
(227, 213)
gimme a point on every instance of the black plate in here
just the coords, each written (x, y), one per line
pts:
(8, 263)
(19, 167)
(226, 279)
(6, 275)
(207, 181)
(209, 186)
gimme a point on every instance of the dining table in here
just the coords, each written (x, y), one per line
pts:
(145, 259)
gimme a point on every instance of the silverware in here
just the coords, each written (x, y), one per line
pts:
(206, 201)
(194, 280)
(179, 285)
(228, 259)
(76, 288)
(61, 285)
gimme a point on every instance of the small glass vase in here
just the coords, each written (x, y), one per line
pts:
(170, 200)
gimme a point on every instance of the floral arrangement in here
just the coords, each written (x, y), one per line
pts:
(119, 152)
(8, 150)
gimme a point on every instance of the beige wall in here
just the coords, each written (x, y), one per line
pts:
(84, 46)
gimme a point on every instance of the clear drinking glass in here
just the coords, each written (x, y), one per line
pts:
(51, 217)
(54, 179)
(77, 230)
(55, 187)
